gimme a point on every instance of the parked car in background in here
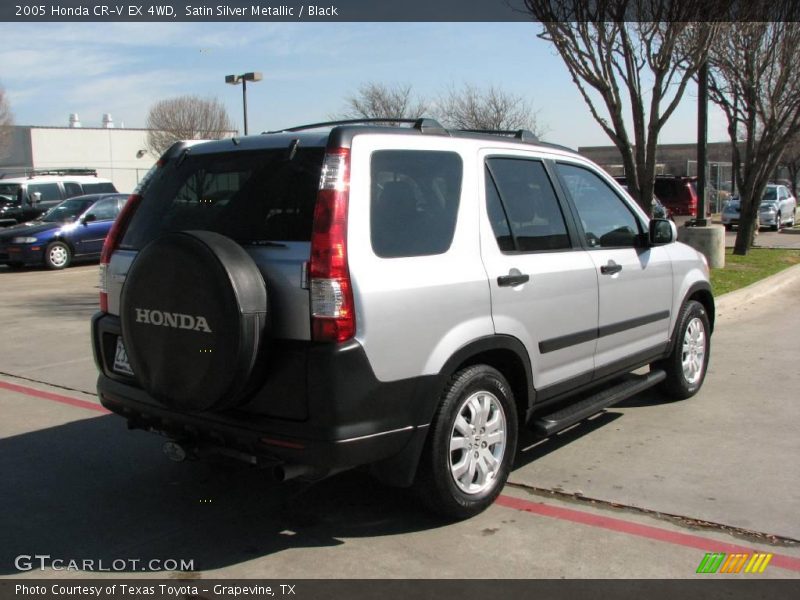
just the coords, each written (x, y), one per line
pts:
(657, 208)
(73, 230)
(778, 208)
(27, 197)
(677, 193)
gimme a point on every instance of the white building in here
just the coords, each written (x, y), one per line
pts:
(118, 154)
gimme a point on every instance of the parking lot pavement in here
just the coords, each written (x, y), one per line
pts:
(82, 486)
(769, 239)
(45, 319)
(728, 455)
(79, 485)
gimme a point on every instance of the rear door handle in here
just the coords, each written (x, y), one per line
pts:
(512, 279)
(610, 268)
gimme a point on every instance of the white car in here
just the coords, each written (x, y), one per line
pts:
(777, 209)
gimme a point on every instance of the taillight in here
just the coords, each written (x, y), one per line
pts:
(333, 316)
(113, 240)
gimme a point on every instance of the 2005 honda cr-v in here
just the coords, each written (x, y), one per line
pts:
(330, 296)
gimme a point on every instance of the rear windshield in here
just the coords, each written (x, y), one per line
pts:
(98, 188)
(251, 197)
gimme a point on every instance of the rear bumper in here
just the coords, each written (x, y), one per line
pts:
(351, 418)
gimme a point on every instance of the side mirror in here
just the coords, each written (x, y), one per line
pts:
(86, 219)
(662, 231)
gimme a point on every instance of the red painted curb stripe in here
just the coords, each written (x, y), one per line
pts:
(645, 531)
(29, 391)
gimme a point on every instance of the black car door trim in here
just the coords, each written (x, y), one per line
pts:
(588, 335)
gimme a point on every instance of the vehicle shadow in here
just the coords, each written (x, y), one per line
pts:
(532, 447)
(93, 490)
(62, 304)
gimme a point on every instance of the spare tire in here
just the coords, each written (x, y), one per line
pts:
(194, 314)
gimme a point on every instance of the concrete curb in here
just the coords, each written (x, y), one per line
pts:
(754, 291)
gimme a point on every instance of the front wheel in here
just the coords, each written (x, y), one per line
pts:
(57, 255)
(777, 226)
(687, 364)
(471, 445)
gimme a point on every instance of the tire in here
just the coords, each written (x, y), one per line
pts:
(57, 255)
(686, 366)
(194, 320)
(471, 446)
(777, 226)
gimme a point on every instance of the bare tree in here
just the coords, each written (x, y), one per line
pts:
(490, 108)
(185, 118)
(753, 78)
(6, 121)
(380, 101)
(634, 56)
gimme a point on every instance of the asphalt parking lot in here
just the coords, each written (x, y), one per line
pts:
(643, 490)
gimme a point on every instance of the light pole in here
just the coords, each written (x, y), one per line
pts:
(243, 79)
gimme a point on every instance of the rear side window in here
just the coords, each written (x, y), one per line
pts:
(252, 197)
(414, 201)
(99, 188)
(72, 189)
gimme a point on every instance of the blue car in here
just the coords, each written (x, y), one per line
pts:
(73, 230)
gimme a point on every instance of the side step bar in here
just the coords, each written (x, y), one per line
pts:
(632, 384)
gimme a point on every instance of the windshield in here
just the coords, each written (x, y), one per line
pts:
(69, 210)
(9, 191)
(770, 193)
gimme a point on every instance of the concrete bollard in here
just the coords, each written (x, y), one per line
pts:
(708, 240)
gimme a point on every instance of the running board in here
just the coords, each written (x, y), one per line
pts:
(632, 384)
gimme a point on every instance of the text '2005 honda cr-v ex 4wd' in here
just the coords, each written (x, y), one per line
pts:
(341, 294)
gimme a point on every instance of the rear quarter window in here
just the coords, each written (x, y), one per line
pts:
(414, 197)
(99, 188)
(249, 196)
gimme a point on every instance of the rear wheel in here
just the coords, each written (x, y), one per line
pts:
(471, 445)
(686, 365)
(57, 255)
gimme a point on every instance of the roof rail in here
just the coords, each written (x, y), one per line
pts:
(523, 135)
(431, 126)
(54, 171)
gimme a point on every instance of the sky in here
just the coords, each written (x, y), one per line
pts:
(50, 70)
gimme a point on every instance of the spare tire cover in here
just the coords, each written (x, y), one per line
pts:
(194, 312)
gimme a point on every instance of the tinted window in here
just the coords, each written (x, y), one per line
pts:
(72, 189)
(49, 191)
(9, 190)
(98, 188)
(251, 197)
(606, 219)
(528, 205)
(105, 210)
(414, 201)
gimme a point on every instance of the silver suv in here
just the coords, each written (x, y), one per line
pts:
(342, 294)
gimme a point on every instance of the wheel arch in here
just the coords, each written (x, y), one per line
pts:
(505, 353)
(700, 291)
